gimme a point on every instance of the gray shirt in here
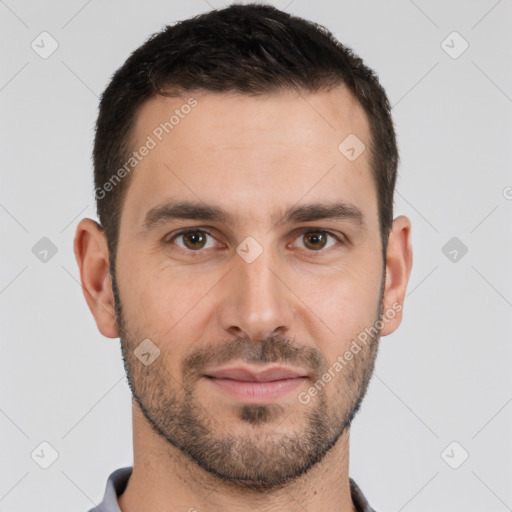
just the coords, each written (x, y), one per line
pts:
(116, 484)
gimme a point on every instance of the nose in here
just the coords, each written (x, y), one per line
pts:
(257, 302)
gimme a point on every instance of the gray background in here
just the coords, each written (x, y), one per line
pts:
(444, 376)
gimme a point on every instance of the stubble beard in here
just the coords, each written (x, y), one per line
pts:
(265, 456)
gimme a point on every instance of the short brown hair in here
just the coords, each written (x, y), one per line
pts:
(251, 49)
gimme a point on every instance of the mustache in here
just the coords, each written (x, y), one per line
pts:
(274, 349)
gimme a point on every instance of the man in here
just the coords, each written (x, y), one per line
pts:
(247, 258)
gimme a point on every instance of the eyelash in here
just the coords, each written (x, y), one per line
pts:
(340, 239)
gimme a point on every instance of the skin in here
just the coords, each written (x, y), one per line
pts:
(255, 157)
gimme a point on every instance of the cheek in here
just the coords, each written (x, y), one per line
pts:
(342, 304)
(160, 301)
(345, 308)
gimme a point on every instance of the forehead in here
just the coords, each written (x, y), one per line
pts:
(245, 153)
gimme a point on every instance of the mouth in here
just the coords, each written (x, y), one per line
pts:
(253, 386)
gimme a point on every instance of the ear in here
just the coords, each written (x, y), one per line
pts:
(398, 269)
(91, 253)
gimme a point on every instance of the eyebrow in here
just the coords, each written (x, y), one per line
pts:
(201, 211)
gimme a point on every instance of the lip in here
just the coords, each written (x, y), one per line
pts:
(249, 385)
(247, 374)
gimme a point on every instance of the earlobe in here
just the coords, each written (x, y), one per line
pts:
(91, 253)
(398, 270)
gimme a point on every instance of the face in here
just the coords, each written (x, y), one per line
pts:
(249, 256)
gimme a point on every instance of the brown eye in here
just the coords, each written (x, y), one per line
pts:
(317, 240)
(193, 240)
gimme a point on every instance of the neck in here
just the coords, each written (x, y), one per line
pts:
(164, 479)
